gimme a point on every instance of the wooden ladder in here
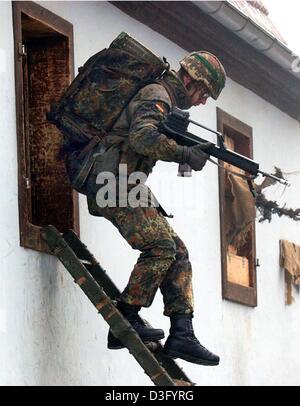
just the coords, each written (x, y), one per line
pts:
(102, 292)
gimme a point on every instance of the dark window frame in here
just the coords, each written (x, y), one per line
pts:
(30, 234)
(232, 291)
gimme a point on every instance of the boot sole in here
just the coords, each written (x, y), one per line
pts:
(146, 340)
(175, 354)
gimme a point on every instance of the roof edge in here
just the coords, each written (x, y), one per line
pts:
(249, 31)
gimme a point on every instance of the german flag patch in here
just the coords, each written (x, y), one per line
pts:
(159, 106)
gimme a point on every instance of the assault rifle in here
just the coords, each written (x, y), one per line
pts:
(175, 126)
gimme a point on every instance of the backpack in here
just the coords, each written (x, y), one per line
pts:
(96, 98)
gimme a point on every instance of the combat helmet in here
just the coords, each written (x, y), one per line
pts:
(205, 67)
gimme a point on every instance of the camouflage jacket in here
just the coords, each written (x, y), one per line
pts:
(135, 139)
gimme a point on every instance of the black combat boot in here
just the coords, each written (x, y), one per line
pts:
(183, 344)
(143, 328)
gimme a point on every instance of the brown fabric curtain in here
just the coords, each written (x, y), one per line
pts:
(290, 262)
(239, 210)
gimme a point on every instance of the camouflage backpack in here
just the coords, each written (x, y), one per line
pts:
(97, 96)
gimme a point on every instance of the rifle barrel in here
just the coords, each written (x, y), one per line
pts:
(280, 180)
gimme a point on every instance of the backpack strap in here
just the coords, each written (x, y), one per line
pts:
(176, 90)
(91, 145)
(169, 90)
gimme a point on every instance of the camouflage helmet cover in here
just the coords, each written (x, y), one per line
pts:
(206, 68)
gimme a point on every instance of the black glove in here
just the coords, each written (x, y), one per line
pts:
(193, 156)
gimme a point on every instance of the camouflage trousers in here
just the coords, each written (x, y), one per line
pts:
(163, 262)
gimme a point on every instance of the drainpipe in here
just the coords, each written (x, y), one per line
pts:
(241, 25)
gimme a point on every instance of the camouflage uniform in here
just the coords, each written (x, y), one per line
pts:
(135, 141)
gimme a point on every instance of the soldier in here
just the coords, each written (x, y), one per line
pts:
(164, 261)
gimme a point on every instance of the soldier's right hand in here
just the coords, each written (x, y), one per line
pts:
(194, 156)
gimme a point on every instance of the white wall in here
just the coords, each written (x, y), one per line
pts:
(49, 332)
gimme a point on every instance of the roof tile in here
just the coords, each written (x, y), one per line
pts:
(258, 13)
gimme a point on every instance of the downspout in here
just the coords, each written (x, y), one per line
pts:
(241, 25)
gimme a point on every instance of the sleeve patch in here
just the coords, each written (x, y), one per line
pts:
(159, 106)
